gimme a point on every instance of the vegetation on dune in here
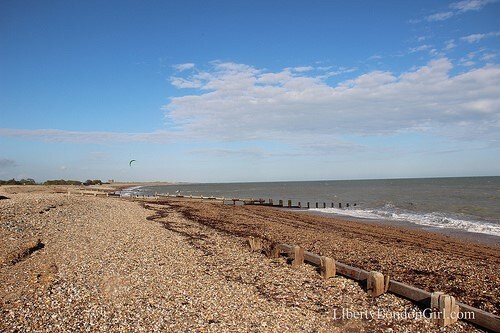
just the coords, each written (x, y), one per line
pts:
(12, 181)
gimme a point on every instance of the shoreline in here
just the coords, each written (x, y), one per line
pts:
(473, 237)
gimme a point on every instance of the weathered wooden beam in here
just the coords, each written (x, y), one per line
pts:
(409, 292)
(354, 273)
(480, 317)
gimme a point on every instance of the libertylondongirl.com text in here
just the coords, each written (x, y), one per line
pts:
(428, 313)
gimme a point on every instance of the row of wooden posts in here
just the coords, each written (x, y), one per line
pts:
(213, 198)
(90, 192)
(445, 309)
(289, 203)
(262, 202)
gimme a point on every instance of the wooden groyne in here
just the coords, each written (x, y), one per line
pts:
(92, 192)
(440, 308)
(258, 202)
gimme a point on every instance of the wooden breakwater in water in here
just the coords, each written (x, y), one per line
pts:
(257, 202)
(225, 200)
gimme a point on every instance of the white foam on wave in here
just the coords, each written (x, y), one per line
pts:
(435, 219)
(131, 191)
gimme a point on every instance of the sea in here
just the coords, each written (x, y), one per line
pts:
(464, 205)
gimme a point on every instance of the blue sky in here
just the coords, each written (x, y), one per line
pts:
(218, 91)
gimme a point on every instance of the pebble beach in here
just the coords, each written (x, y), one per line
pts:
(96, 263)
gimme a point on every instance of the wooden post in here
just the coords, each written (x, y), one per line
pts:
(324, 204)
(273, 251)
(445, 311)
(299, 204)
(332, 205)
(255, 244)
(375, 284)
(340, 205)
(271, 202)
(308, 205)
(280, 203)
(327, 267)
(289, 203)
(297, 256)
(316, 205)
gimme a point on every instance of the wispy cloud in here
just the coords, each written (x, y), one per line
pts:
(56, 135)
(183, 67)
(450, 44)
(440, 16)
(457, 8)
(243, 153)
(467, 5)
(474, 38)
(420, 48)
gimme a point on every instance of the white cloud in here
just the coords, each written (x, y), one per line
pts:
(183, 67)
(474, 38)
(249, 104)
(439, 16)
(184, 83)
(459, 7)
(303, 69)
(55, 136)
(467, 5)
(450, 44)
(489, 56)
(420, 48)
(238, 102)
